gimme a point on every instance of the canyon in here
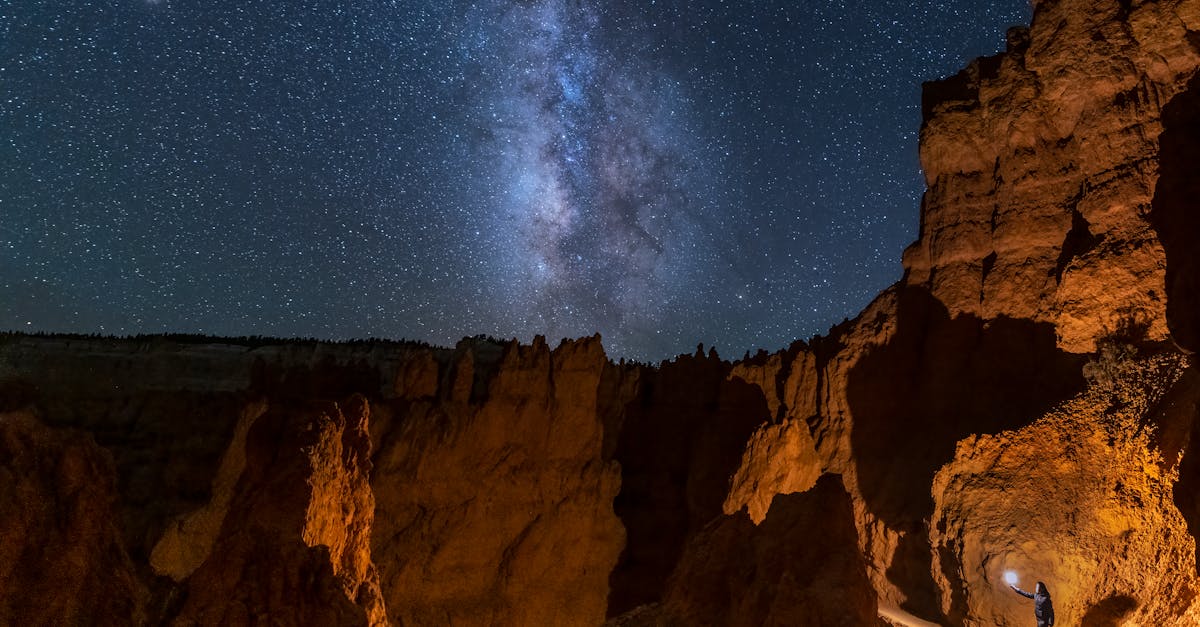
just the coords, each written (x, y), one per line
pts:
(1024, 399)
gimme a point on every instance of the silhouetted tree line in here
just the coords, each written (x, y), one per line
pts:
(252, 341)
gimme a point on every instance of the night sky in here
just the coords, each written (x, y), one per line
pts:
(741, 174)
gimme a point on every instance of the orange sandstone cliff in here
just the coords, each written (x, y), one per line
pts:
(1023, 399)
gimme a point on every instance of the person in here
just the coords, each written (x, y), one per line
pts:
(1043, 608)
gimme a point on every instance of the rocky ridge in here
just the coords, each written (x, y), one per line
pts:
(1023, 399)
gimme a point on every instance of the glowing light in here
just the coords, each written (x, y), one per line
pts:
(1010, 577)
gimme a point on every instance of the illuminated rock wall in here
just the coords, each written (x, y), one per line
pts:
(309, 484)
(1041, 165)
(1021, 399)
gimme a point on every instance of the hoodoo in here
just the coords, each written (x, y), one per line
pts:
(1021, 406)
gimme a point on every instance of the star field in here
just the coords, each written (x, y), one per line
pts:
(661, 172)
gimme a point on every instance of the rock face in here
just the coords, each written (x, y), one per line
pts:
(1081, 498)
(60, 530)
(1022, 399)
(681, 439)
(1046, 236)
(498, 509)
(781, 457)
(799, 566)
(1174, 213)
(1043, 236)
(294, 544)
(1041, 165)
(469, 486)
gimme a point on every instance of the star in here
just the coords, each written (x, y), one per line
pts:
(663, 173)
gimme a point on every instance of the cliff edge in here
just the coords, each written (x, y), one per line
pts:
(1025, 399)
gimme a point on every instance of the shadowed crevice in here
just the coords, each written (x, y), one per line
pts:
(911, 564)
(1175, 212)
(935, 382)
(1109, 612)
(1079, 241)
(1178, 437)
(800, 566)
(682, 439)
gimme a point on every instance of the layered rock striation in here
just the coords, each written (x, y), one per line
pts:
(1052, 237)
(494, 498)
(1042, 165)
(1083, 497)
(1023, 399)
(309, 484)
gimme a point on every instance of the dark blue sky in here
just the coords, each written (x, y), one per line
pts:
(735, 173)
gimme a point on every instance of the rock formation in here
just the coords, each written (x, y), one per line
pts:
(62, 560)
(1083, 498)
(300, 516)
(469, 486)
(1042, 163)
(494, 500)
(681, 439)
(799, 566)
(1024, 398)
(1044, 239)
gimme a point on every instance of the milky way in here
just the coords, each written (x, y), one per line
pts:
(662, 172)
(594, 157)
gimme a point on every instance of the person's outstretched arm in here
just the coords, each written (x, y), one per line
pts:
(1028, 595)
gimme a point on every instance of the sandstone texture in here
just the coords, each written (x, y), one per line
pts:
(1024, 399)
(299, 518)
(62, 561)
(1043, 240)
(308, 484)
(498, 509)
(1083, 497)
(781, 456)
(1042, 164)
